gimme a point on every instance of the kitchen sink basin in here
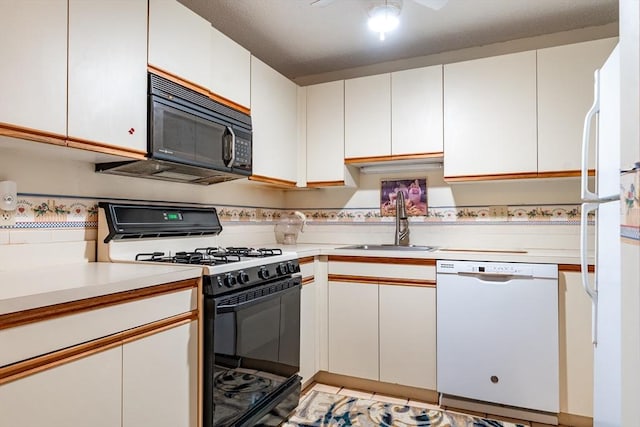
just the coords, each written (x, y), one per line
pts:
(390, 247)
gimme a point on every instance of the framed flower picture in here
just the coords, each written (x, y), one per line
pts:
(415, 196)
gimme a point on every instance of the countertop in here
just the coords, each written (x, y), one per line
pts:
(544, 256)
(45, 286)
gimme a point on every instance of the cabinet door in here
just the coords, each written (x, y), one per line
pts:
(33, 76)
(353, 329)
(85, 392)
(367, 116)
(416, 111)
(108, 72)
(408, 336)
(179, 41)
(308, 332)
(490, 116)
(565, 93)
(274, 112)
(576, 349)
(160, 379)
(325, 132)
(230, 69)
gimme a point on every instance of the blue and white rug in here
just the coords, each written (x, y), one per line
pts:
(319, 409)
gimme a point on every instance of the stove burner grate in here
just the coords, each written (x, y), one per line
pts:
(209, 256)
(253, 252)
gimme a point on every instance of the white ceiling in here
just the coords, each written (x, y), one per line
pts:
(300, 40)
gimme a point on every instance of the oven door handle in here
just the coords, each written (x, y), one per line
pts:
(230, 308)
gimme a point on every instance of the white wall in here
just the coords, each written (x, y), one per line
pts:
(44, 169)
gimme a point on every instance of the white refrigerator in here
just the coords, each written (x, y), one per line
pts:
(614, 174)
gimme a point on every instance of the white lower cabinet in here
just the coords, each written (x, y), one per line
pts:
(353, 329)
(86, 392)
(160, 379)
(576, 349)
(308, 332)
(408, 335)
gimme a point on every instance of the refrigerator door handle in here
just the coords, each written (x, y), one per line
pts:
(584, 269)
(586, 138)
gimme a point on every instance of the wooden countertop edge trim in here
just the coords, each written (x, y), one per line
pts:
(39, 314)
(371, 159)
(273, 181)
(305, 260)
(575, 267)
(370, 280)
(51, 360)
(307, 280)
(383, 260)
(198, 88)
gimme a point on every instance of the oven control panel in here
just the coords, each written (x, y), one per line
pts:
(243, 278)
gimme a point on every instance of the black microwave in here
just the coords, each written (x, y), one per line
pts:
(191, 138)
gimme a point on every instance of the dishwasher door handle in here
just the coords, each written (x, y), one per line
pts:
(495, 277)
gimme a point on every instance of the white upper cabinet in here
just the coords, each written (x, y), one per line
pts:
(274, 115)
(230, 69)
(33, 76)
(325, 132)
(565, 94)
(179, 41)
(108, 72)
(416, 111)
(490, 116)
(367, 116)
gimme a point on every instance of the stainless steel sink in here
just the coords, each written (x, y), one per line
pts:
(390, 247)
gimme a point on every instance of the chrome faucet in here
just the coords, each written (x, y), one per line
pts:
(402, 223)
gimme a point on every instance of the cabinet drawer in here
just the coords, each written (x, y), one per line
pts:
(33, 339)
(393, 271)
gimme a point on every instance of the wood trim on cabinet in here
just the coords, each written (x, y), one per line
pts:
(21, 132)
(307, 280)
(371, 280)
(39, 314)
(51, 360)
(306, 260)
(522, 175)
(575, 267)
(383, 260)
(99, 147)
(416, 156)
(273, 181)
(197, 88)
(318, 184)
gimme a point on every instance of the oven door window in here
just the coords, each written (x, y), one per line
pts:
(187, 136)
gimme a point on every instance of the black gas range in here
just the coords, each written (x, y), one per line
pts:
(251, 310)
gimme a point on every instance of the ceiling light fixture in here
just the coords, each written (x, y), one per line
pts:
(384, 18)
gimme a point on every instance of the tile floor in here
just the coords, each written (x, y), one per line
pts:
(383, 398)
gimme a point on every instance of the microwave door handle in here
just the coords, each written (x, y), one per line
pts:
(232, 158)
(587, 195)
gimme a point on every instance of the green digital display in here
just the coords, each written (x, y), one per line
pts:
(173, 216)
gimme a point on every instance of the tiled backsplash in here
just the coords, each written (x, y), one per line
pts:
(55, 212)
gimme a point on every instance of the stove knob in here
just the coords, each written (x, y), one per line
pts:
(219, 281)
(243, 277)
(263, 273)
(282, 269)
(229, 280)
(291, 267)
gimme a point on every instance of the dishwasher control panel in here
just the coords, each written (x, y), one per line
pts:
(496, 268)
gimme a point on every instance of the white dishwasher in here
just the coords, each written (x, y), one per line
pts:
(497, 333)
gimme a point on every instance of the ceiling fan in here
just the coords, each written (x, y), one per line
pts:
(384, 15)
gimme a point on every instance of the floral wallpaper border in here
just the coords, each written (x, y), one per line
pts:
(67, 212)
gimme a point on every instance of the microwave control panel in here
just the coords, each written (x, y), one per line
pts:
(243, 152)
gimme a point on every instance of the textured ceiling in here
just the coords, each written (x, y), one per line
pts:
(300, 40)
